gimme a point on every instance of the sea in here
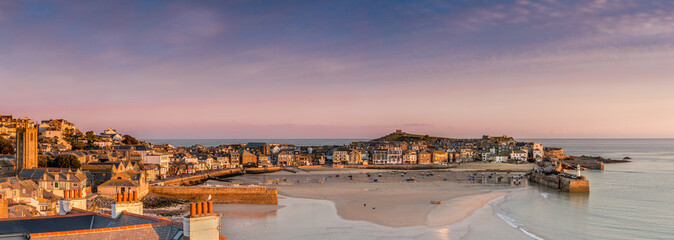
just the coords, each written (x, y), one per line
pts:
(217, 142)
(632, 200)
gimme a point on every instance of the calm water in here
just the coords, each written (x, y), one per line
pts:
(217, 142)
(626, 200)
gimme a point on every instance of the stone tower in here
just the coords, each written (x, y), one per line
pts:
(26, 147)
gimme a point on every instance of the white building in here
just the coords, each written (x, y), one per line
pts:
(160, 159)
(518, 155)
(500, 158)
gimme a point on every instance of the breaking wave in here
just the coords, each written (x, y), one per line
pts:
(510, 221)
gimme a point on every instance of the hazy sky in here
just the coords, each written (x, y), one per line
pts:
(341, 69)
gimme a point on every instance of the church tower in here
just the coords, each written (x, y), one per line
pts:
(26, 147)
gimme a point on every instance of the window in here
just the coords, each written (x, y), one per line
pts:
(56, 185)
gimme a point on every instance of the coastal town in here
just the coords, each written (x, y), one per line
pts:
(52, 168)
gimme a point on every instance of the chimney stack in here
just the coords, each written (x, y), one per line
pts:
(4, 208)
(202, 223)
(127, 201)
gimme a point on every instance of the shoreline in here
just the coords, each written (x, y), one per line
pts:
(292, 220)
(394, 200)
(452, 211)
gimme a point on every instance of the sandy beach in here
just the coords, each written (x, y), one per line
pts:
(393, 200)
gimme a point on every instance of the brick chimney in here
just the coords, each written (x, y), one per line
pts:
(202, 224)
(126, 202)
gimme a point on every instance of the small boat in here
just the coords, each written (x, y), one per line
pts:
(436, 202)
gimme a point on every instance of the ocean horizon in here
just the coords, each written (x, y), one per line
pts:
(217, 142)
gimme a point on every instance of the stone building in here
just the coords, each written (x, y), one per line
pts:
(409, 157)
(57, 180)
(355, 157)
(248, 158)
(123, 183)
(340, 156)
(424, 157)
(26, 147)
(439, 157)
(380, 156)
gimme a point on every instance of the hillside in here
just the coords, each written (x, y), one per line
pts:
(407, 137)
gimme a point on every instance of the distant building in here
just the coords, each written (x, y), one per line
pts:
(499, 158)
(379, 156)
(7, 168)
(26, 146)
(355, 157)
(162, 160)
(340, 156)
(424, 157)
(554, 153)
(409, 157)
(287, 158)
(56, 180)
(263, 160)
(518, 155)
(125, 182)
(439, 157)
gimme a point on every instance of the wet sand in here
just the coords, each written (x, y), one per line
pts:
(392, 200)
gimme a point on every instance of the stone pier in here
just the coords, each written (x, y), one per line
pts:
(224, 194)
(562, 183)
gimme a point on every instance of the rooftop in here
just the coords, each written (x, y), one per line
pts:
(81, 224)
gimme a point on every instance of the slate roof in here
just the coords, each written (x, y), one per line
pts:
(51, 174)
(124, 227)
(119, 182)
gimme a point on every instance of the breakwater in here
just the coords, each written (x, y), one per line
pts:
(198, 178)
(229, 194)
(259, 170)
(562, 183)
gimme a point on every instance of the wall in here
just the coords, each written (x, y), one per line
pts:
(262, 170)
(199, 178)
(563, 184)
(250, 195)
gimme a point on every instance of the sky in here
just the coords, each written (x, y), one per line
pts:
(342, 69)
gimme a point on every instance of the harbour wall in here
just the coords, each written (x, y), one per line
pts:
(259, 170)
(242, 194)
(198, 178)
(562, 183)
